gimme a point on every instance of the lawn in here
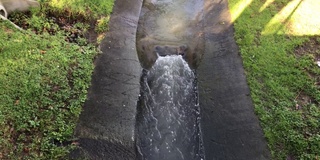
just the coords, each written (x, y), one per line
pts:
(45, 73)
(280, 45)
(46, 70)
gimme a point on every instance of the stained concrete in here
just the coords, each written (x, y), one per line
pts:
(106, 125)
(231, 130)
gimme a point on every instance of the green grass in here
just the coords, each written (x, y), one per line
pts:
(44, 81)
(92, 8)
(283, 82)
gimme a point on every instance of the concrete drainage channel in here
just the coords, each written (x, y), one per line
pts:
(168, 119)
(218, 112)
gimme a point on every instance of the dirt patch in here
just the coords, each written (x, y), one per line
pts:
(303, 100)
(311, 50)
(309, 55)
(311, 47)
(75, 27)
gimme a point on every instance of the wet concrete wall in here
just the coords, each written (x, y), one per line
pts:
(106, 126)
(231, 130)
(171, 27)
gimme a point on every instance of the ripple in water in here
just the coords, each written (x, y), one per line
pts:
(168, 119)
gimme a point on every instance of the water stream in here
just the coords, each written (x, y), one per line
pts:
(168, 119)
(168, 115)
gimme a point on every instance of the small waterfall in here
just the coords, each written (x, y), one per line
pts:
(168, 119)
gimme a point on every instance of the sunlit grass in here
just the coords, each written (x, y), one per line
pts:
(298, 17)
(266, 4)
(90, 7)
(284, 82)
(237, 8)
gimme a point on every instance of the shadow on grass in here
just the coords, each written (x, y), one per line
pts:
(282, 71)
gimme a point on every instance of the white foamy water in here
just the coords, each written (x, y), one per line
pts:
(168, 120)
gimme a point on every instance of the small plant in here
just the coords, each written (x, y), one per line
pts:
(102, 24)
(82, 26)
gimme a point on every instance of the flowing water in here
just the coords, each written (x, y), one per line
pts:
(168, 119)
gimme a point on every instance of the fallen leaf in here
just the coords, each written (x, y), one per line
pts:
(75, 143)
(26, 150)
(17, 102)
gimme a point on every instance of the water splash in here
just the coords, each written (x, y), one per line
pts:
(168, 119)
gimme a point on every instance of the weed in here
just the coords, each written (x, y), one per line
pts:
(102, 24)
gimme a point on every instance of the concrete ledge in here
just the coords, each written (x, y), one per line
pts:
(230, 128)
(106, 126)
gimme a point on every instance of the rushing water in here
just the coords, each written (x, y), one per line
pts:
(168, 119)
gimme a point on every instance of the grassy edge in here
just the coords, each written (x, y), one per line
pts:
(278, 78)
(43, 85)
